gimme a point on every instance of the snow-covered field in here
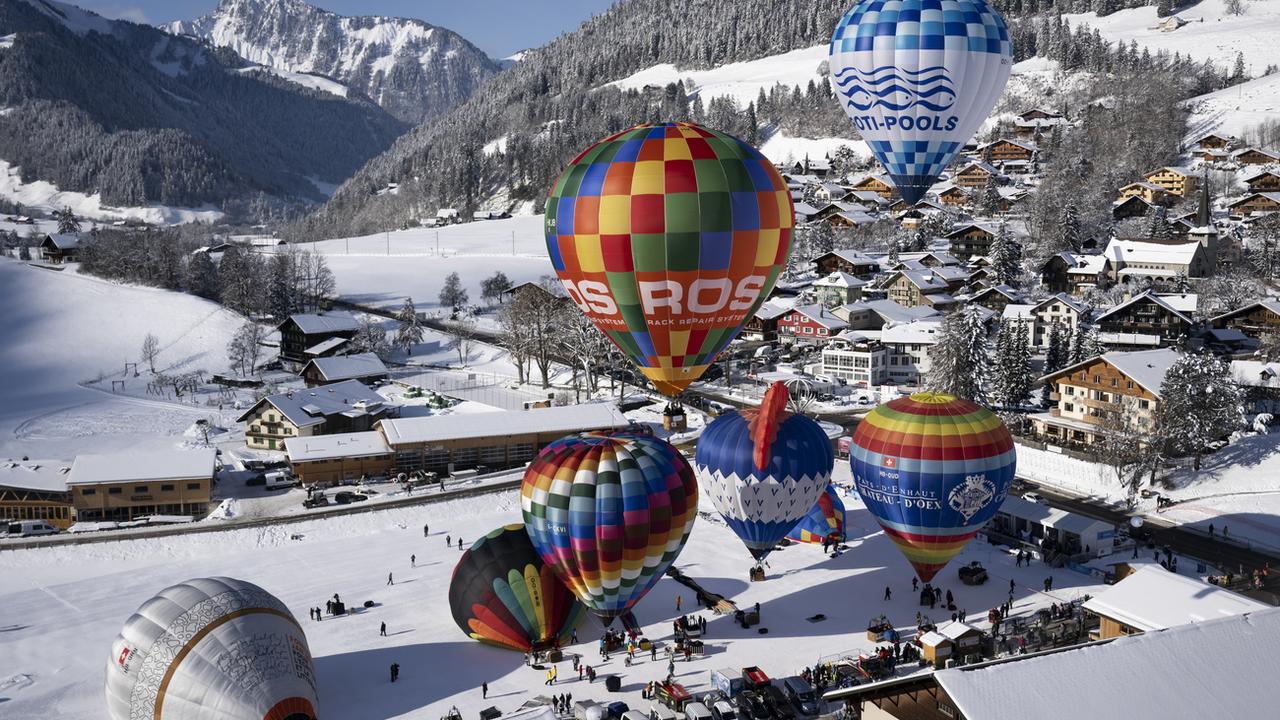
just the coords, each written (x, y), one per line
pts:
(64, 606)
(44, 196)
(62, 329)
(1233, 110)
(781, 148)
(742, 81)
(383, 269)
(1211, 33)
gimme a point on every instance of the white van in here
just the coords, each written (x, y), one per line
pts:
(277, 479)
(696, 711)
(28, 528)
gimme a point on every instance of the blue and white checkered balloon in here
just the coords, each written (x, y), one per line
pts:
(918, 77)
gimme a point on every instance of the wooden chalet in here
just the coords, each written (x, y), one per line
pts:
(1252, 320)
(881, 185)
(1146, 320)
(970, 240)
(953, 195)
(60, 248)
(1130, 206)
(299, 333)
(852, 262)
(1263, 202)
(974, 175)
(1214, 141)
(1265, 181)
(1150, 192)
(1005, 150)
(764, 324)
(1254, 156)
(1092, 395)
(995, 298)
(1176, 181)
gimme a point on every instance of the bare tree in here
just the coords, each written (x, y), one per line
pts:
(150, 349)
(465, 331)
(246, 347)
(1126, 448)
(516, 337)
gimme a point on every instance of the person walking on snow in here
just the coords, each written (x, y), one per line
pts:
(395, 671)
(424, 530)
(915, 584)
(548, 682)
(484, 690)
(413, 561)
(448, 541)
(678, 601)
(888, 594)
(389, 580)
(383, 630)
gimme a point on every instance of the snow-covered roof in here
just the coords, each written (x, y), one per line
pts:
(436, 428)
(1063, 298)
(866, 196)
(1052, 517)
(1153, 598)
(892, 312)
(1246, 150)
(1133, 251)
(1145, 367)
(822, 316)
(330, 447)
(1015, 311)
(1249, 373)
(309, 407)
(772, 309)
(925, 280)
(1088, 265)
(979, 164)
(348, 367)
(1271, 304)
(855, 257)
(1217, 669)
(1272, 196)
(962, 229)
(955, 629)
(1182, 302)
(326, 345)
(840, 280)
(933, 639)
(34, 474)
(917, 332)
(856, 218)
(1019, 143)
(65, 241)
(951, 273)
(1147, 296)
(313, 324)
(1169, 168)
(141, 466)
(805, 209)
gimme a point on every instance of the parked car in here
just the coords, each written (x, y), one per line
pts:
(29, 528)
(801, 694)
(723, 710)
(344, 498)
(1033, 497)
(696, 711)
(658, 711)
(277, 479)
(256, 479)
(777, 703)
(750, 706)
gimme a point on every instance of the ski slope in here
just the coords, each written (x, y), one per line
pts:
(63, 329)
(64, 606)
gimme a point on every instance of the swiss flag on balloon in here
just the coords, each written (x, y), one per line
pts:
(890, 462)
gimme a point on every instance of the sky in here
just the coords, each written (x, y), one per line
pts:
(499, 27)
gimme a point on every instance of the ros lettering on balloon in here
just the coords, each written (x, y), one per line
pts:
(671, 302)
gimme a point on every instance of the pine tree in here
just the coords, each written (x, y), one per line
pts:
(67, 221)
(1069, 223)
(1084, 345)
(959, 359)
(1158, 229)
(410, 330)
(1238, 71)
(202, 276)
(1055, 357)
(1006, 257)
(989, 200)
(1199, 403)
(893, 252)
(1164, 8)
(1011, 375)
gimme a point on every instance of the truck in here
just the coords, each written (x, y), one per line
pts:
(727, 681)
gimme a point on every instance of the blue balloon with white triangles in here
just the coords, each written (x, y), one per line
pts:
(918, 77)
(763, 469)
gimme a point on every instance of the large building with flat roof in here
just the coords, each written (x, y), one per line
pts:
(1152, 598)
(127, 486)
(335, 459)
(36, 490)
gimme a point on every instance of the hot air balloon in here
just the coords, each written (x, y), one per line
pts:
(609, 513)
(764, 468)
(669, 237)
(918, 77)
(933, 469)
(214, 648)
(503, 594)
(825, 520)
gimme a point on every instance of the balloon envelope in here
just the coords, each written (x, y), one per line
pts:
(211, 648)
(764, 469)
(933, 469)
(503, 594)
(918, 77)
(609, 513)
(825, 520)
(669, 237)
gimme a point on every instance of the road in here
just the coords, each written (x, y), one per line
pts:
(1229, 556)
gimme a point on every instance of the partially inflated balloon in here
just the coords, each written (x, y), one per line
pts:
(918, 77)
(211, 649)
(933, 469)
(503, 594)
(669, 237)
(825, 521)
(609, 513)
(764, 468)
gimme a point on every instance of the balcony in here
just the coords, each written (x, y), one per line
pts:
(1099, 404)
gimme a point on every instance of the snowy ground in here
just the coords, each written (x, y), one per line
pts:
(742, 81)
(382, 270)
(1233, 110)
(1235, 487)
(45, 197)
(63, 329)
(1211, 34)
(66, 604)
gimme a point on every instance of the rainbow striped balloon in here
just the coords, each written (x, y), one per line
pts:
(825, 520)
(933, 469)
(609, 513)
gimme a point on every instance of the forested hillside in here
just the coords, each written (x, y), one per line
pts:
(145, 117)
(508, 143)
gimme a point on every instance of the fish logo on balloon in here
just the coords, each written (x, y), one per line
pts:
(896, 88)
(972, 496)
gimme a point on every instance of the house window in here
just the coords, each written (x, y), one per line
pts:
(193, 486)
(1097, 379)
(89, 491)
(1130, 384)
(114, 491)
(1069, 407)
(1143, 404)
(808, 330)
(254, 428)
(1115, 382)
(166, 488)
(141, 489)
(1071, 390)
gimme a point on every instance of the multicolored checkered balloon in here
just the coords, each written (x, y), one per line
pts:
(933, 469)
(609, 513)
(669, 237)
(918, 77)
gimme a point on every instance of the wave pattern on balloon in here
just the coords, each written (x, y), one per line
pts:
(917, 78)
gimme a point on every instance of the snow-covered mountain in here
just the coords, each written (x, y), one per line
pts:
(414, 70)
